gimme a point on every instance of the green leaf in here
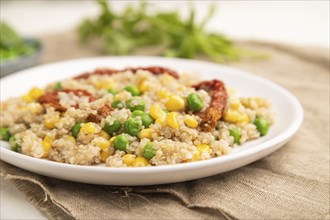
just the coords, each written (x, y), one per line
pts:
(9, 38)
(11, 44)
(208, 17)
(138, 27)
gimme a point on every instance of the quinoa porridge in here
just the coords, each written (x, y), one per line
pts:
(131, 118)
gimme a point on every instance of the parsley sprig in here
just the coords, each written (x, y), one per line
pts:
(135, 28)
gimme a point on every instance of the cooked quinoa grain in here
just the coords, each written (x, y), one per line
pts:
(136, 117)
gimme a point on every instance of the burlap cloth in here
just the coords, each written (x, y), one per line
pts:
(291, 183)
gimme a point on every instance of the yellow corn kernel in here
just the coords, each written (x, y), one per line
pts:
(104, 135)
(180, 88)
(163, 93)
(112, 139)
(235, 104)
(244, 118)
(50, 122)
(47, 145)
(128, 159)
(36, 92)
(172, 119)
(190, 121)
(48, 139)
(161, 120)
(232, 116)
(105, 84)
(145, 133)
(103, 143)
(203, 148)
(98, 85)
(143, 86)
(113, 85)
(88, 128)
(195, 157)
(157, 112)
(175, 103)
(71, 139)
(140, 162)
(245, 102)
(104, 155)
(27, 98)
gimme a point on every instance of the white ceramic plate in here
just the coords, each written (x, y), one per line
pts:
(289, 116)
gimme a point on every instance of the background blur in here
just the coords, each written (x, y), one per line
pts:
(293, 22)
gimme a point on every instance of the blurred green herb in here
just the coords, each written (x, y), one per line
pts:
(11, 44)
(135, 28)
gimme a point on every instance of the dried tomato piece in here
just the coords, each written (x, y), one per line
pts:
(214, 112)
(103, 112)
(52, 99)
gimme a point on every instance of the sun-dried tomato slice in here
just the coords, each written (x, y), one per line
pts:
(52, 99)
(156, 70)
(103, 112)
(214, 112)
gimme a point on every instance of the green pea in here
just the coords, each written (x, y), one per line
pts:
(147, 120)
(148, 152)
(112, 91)
(58, 86)
(14, 146)
(132, 126)
(137, 113)
(262, 125)
(4, 134)
(235, 134)
(113, 128)
(133, 90)
(76, 129)
(135, 104)
(165, 110)
(120, 142)
(118, 104)
(195, 103)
